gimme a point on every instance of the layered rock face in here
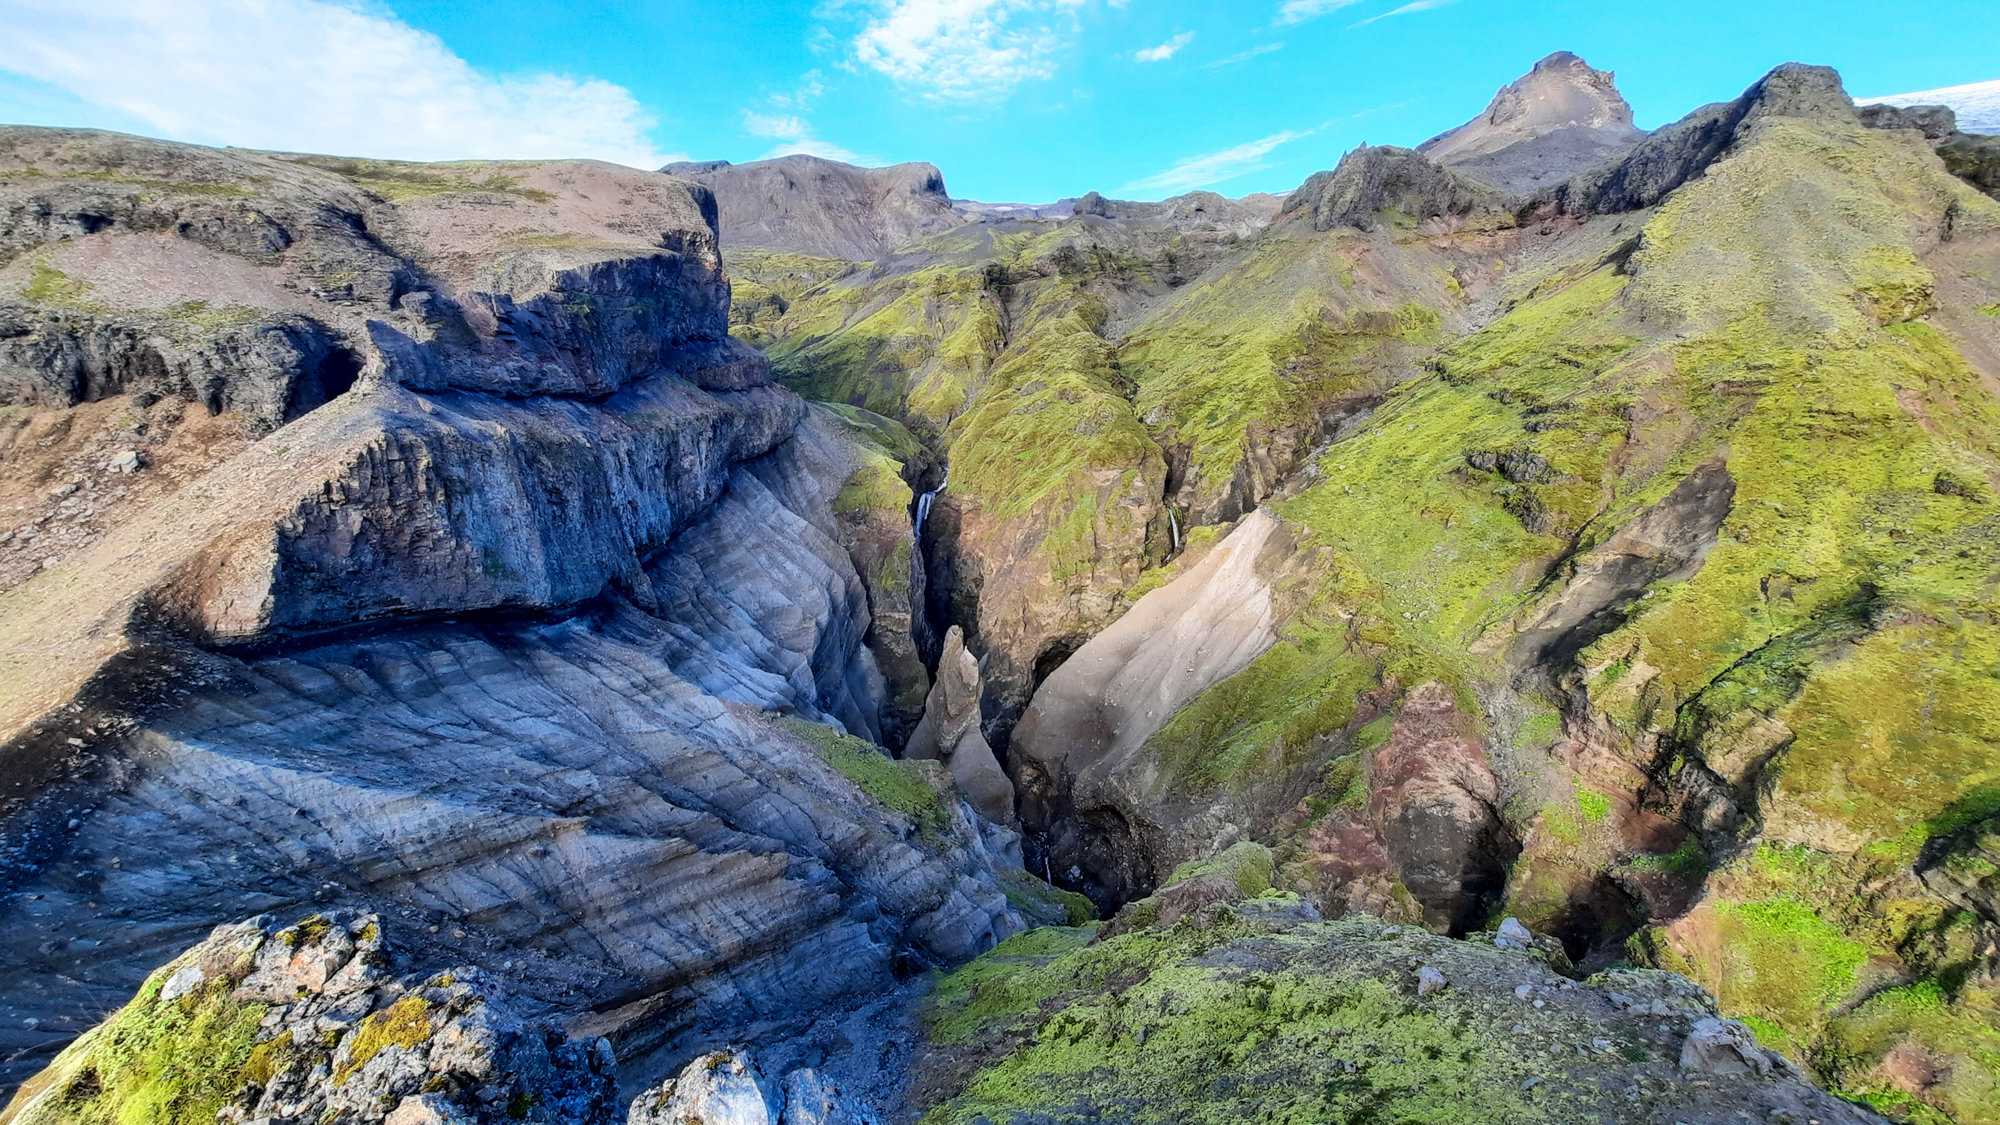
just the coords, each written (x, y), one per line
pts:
(492, 643)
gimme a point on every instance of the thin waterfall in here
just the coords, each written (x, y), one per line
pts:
(1174, 523)
(924, 501)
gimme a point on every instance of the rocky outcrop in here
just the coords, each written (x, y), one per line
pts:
(811, 205)
(1351, 1017)
(585, 398)
(726, 1088)
(1435, 805)
(1970, 156)
(1677, 153)
(1558, 119)
(310, 1025)
(1203, 211)
(949, 732)
(1377, 178)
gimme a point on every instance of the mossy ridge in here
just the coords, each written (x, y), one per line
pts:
(1302, 1023)
(396, 180)
(912, 346)
(1270, 341)
(909, 789)
(154, 1062)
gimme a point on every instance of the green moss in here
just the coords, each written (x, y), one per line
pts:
(1593, 805)
(1226, 1023)
(1247, 865)
(1955, 1042)
(50, 286)
(155, 1062)
(399, 179)
(406, 1023)
(902, 787)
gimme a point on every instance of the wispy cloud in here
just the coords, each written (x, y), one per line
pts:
(1299, 11)
(1415, 6)
(966, 50)
(315, 76)
(794, 134)
(1166, 50)
(1214, 167)
(1246, 56)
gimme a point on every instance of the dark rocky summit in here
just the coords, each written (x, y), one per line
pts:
(1504, 632)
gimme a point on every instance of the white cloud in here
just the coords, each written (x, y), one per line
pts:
(1299, 11)
(1417, 6)
(965, 50)
(1246, 56)
(1214, 167)
(1166, 50)
(794, 135)
(313, 76)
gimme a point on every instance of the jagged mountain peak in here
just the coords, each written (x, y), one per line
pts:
(1561, 92)
(1560, 117)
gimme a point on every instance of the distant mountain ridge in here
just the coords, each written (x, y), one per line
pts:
(810, 205)
(1976, 103)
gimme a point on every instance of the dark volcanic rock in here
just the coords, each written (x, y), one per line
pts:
(1372, 179)
(809, 205)
(1679, 152)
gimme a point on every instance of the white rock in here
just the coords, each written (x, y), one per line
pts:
(426, 1109)
(125, 461)
(719, 1088)
(1429, 980)
(182, 983)
(1513, 930)
(1723, 1047)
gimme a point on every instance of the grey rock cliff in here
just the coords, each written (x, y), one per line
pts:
(811, 205)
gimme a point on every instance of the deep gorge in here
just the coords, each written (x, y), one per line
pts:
(1502, 632)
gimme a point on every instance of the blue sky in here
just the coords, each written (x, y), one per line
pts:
(1025, 100)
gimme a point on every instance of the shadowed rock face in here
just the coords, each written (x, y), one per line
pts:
(485, 643)
(810, 205)
(1435, 805)
(1671, 156)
